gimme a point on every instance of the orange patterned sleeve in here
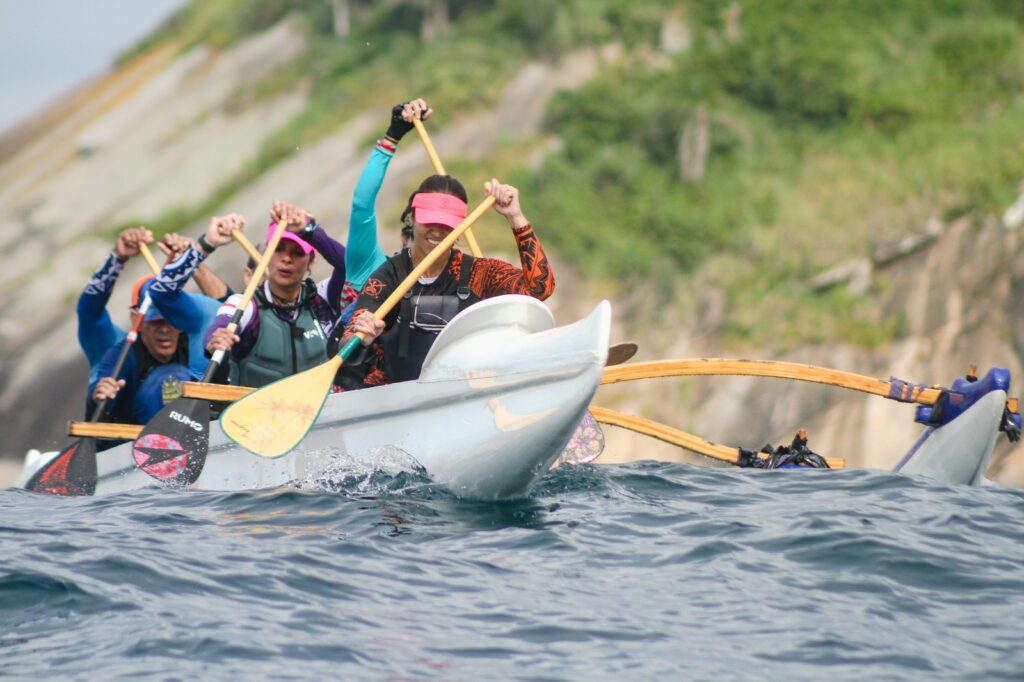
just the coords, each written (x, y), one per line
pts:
(493, 277)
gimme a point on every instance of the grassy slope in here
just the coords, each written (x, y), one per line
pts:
(835, 125)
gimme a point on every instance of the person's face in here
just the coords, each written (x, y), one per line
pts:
(289, 264)
(426, 237)
(159, 338)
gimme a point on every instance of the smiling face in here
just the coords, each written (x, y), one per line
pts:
(288, 266)
(426, 237)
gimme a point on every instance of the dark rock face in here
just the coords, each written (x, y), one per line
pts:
(39, 416)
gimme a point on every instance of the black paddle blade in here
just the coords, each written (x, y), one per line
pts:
(173, 445)
(72, 472)
(620, 352)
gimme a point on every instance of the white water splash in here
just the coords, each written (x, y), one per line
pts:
(378, 470)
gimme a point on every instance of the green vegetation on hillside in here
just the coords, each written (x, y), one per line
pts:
(830, 126)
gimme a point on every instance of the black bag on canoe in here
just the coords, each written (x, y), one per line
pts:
(793, 456)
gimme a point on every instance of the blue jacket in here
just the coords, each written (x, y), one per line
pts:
(96, 331)
(143, 394)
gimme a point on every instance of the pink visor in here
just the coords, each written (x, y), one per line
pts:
(306, 248)
(439, 209)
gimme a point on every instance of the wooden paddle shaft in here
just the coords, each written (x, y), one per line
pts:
(244, 242)
(250, 290)
(775, 369)
(104, 430)
(435, 160)
(257, 275)
(147, 255)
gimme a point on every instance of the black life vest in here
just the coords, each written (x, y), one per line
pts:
(421, 317)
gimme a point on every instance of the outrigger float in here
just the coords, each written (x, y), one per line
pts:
(503, 390)
(961, 423)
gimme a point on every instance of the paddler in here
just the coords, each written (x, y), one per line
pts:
(395, 347)
(284, 329)
(96, 330)
(152, 371)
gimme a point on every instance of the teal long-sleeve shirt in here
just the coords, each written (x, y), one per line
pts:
(363, 254)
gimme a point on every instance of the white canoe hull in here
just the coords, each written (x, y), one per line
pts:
(500, 395)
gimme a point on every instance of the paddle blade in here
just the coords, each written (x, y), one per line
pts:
(273, 420)
(586, 444)
(620, 352)
(172, 447)
(72, 472)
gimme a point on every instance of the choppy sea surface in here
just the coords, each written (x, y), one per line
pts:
(639, 571)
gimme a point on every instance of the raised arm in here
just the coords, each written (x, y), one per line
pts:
(96, 331)
(493, 277)
(324, 244)
(218, 233)
(187, 312)
(363, 254)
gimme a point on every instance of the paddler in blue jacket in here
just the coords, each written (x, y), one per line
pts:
(172, 333)
(152, 372)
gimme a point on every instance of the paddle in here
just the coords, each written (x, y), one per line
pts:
(271, 421)
(172, 447)
(587, 442)
(435, 160)
(620, 352)
(245, 244)
(73, 471)
(683, 439)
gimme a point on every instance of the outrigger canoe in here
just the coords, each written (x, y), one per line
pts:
(501, 393)
(503, 389)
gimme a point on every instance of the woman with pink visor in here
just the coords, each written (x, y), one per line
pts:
(394, 348)
(285, 329)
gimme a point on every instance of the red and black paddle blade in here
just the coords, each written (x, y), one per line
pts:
(72, 472)
(173, 445)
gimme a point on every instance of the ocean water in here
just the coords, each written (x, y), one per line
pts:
(625, 572)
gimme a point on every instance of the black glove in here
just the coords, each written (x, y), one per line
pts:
(399, 126)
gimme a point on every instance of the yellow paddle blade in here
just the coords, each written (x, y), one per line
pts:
(273, 420)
